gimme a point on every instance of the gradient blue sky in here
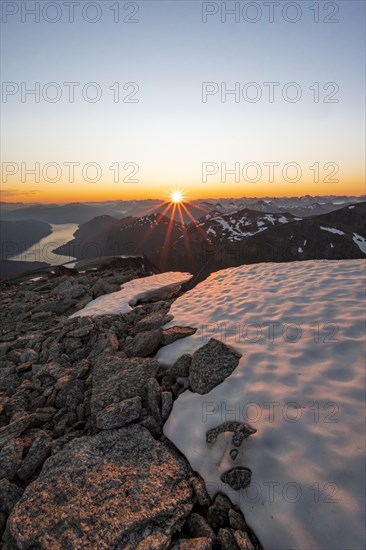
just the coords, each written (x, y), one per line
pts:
(170, 132)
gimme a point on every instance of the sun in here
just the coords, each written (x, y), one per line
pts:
(176, 196)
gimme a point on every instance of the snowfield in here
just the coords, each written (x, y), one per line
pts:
(300, 383)
(159, 286)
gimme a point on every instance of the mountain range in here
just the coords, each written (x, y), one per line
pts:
(78, 212)
(218, 241)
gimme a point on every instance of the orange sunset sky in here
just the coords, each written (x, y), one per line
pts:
(157, 99)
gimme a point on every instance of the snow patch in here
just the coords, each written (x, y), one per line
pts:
(302, 392)
(156, 286)
(360, 241)
(332, 230)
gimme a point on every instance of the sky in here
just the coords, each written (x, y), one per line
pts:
(152, 110)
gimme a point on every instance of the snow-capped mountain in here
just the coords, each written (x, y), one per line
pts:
(250, 237)
(218, 241)
(238, 225)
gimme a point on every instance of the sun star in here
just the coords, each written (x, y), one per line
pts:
(176, 196)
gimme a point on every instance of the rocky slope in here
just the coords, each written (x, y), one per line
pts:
(84, 462)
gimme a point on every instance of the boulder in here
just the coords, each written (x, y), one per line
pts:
(241, 431)
(237, 521)
(37, 454)
(111, 490)
(198, 527)
(181, 366)
(243, 541)
(218, 512)
(237, 478)
(9, 495)
(10, 458)
(152, 321)
(120, 414)
(116, 379)
(154, 397)
(15, 428)
(226, 540)
(172, 334)
(166, 404)
(143, 344)
(210, 365)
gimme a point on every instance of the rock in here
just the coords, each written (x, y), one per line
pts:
(172, 334)
(105, 491)
(153, 426)
(43, 415)
(106, 343)
(143, 344)
(120, 414)
(56, 306)
(153, 542)
(181, 366)
(70, 392)
(152, 321)
(233, 454)
(200, 490)
(10, 458)
(241, 430)
(210, 365)
(218, 512)
(166, 404)
(103, 287)
(28, 356)
(9, 495)
(226, 540)
(167, 382)
(37, 454)
(15, 428)
(116, 379)
(154, 399)
(53, 370)
(61, 270)
(77, 291)
(237, 478)
(198, 527)
(179, 387)
(9, 378)
(192, 544)
(80, 332)
(80, 369)
(237, 521)
(243, 541)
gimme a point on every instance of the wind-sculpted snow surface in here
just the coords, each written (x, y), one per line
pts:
(300, 383)
(160, 286)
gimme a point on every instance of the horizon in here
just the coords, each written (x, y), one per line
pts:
(162, 201)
